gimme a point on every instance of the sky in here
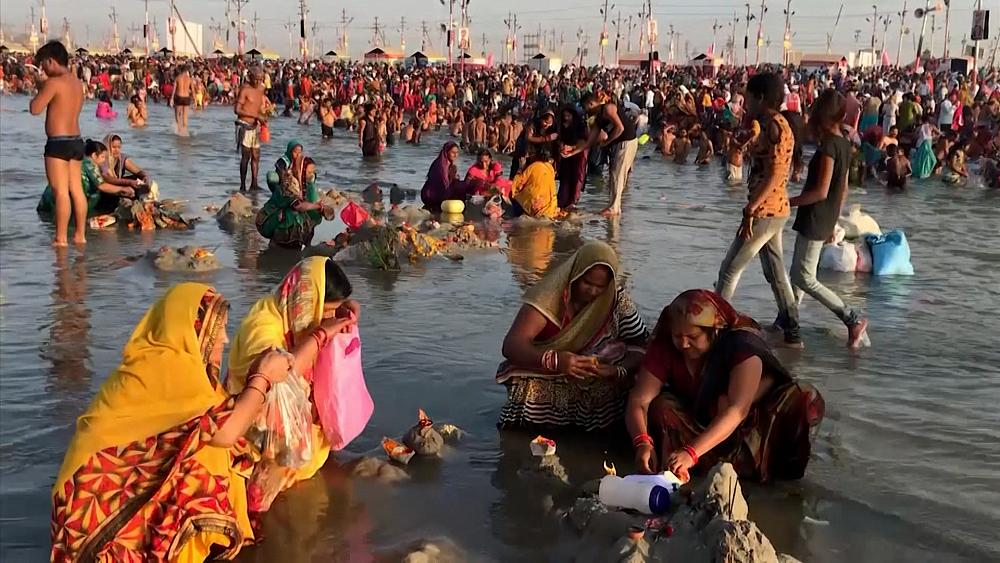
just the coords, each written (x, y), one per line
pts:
(561, 20)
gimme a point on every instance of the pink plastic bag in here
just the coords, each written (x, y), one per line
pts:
(339, 390)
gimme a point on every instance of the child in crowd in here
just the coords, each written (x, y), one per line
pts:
(705, 149)
(956, 169)
(682, 146)
(897, 168)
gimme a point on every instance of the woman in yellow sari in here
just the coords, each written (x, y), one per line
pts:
(156, 470)
(534, 191)
(309, 306)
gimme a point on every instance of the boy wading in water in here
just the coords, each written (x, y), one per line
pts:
(181, 99)
(61, 97)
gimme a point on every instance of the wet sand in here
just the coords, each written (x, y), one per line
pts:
(905, 464)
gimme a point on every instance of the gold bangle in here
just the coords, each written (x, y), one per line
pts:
(262, 394)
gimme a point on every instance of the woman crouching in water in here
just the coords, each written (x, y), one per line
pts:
(711, 390)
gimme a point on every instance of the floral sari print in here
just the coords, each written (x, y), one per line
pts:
(140, 481)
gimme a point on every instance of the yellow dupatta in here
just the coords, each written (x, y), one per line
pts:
(160, 384)
(549, 297)
(282, 320)
(142, 447)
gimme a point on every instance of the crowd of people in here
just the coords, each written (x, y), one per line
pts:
(704, 385)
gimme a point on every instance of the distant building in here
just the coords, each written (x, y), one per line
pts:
(823, 61)
(185, 38)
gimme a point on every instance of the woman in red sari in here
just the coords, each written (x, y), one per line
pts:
(711, 390)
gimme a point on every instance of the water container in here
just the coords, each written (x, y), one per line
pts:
(648, 498)
(667, 480)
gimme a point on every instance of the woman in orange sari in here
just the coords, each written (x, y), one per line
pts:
(156, 470)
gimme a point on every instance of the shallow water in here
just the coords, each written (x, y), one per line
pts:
(906, 463)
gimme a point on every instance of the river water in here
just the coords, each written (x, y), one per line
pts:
(906, 466)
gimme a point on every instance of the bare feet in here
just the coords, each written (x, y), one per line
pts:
(857, 334)
(59, 243)
(611, 212)
(79, 240)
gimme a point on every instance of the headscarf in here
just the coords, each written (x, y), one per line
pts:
(164, 378)
(703, 308)
(116, 167)
(282, 320)
(550, 297)
(439, 170)
(289, 149)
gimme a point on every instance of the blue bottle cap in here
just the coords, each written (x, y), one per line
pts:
(659, 500)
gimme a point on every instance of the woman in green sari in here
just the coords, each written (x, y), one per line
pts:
(102, 197)
(290, 216)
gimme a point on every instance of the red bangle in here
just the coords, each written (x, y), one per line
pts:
(642, 439)
(694, 455)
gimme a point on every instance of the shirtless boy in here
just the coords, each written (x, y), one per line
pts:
(61, 97)
(249, 110)
(181, 99)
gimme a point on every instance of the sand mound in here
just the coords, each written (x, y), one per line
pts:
(709, 525)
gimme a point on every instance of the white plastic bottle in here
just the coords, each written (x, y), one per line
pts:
(646, 497)
(667, 480)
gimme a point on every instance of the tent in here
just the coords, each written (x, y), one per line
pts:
(127, 52)
(82, 51)
(544, 63)
(380, 55)
(331, 54)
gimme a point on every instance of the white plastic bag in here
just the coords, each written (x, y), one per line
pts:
(864, 256)
(283, 430)
(840, 257)
(857, 224)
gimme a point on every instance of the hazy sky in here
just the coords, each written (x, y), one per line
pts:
(693, 21)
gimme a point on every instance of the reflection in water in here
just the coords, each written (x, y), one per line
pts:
(314, 520)
(531, 497)
(68, 346)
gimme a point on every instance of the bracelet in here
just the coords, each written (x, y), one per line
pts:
(640, 439)
(261, 375)
(550, 360)
(694, 455)
(262, 394)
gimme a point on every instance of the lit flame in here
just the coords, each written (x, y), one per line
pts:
(610, 469)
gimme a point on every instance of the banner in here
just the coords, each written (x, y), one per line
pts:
(980, 25)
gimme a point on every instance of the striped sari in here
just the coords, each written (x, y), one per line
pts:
(607, 328)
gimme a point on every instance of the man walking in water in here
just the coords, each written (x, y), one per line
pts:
(181, 99)
(621, 141)
(61, 97)
(249, 115)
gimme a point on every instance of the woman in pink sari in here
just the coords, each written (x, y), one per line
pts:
(486, 175)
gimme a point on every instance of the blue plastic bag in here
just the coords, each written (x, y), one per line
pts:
(890, 254)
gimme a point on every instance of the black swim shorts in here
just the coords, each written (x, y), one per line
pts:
(70, 147)
(182, 101)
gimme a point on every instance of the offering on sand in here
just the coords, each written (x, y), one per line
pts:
(102, 221)
(185, 259)
(423, 438)
(397, 452)
(542, 446)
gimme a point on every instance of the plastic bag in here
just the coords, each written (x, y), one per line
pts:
(283, 430)
(840, 257)
(265, 133)
(342, 399)
(890, 254)
(864, 256)
(353, 215)
(857, 224)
